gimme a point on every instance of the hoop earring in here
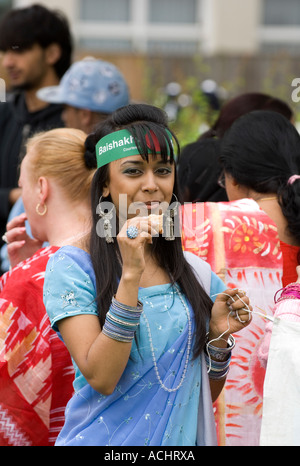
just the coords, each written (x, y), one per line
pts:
(107, 226)
(38, 211)
(169, 223)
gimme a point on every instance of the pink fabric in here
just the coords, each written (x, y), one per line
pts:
(286, 309)
(293, 178)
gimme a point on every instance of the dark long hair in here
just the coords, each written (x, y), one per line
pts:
(242, 104)
(262, 151)
(140, 119)
(199, 170)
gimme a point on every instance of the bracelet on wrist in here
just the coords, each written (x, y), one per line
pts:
(221, 354)
(217, 370)
(218, 359)
(122, 321)
(291, 291)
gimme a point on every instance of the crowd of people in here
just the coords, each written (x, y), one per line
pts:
(149, 296)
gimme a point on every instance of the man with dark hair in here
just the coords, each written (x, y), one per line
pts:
(36, 47)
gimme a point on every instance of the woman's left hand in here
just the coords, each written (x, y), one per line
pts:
(20, 245)
(230, 313)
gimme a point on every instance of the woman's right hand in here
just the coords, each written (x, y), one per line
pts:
(133, 250)
(20, 245)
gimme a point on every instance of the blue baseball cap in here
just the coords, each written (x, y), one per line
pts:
(92, 84)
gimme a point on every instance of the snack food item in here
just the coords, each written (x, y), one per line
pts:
(157, 220)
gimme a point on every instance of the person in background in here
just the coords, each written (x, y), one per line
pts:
(287, 308)
(280, 417)
(89, 91)
(242, 104)
(140, 314)
(199, 168)
(36, 48)
(249, 241)
(36, 373)
(267, 169)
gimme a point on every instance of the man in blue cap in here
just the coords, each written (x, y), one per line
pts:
(90, 90)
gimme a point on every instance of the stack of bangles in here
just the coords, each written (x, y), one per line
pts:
(218, 359)
(291, 291)
(122, 321)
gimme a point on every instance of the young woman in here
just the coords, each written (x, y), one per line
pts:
(134, 311)
(252, 242)
(261, 160)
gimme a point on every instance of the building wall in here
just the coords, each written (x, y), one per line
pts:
(229, 41)
(206, 26)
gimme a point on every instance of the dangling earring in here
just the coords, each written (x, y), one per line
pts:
(169, 222)
(38, 209)
(107, 226)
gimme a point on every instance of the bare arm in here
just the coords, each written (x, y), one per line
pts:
(101, 359)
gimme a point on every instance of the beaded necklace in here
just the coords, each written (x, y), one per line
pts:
(188, 347)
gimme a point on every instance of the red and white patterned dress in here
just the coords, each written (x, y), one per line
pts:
(36, 372)
(241, 244)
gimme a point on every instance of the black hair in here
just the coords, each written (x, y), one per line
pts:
(199, 170)
(140, 119)
(262, 151)
(21, 28)
(242, 104)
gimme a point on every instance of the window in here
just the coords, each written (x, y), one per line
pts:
(173, 47)
(5, 5)
(104, 10)
(107, 45)
(281, 12)
(173, 11)
(162, 26)
(280, 48)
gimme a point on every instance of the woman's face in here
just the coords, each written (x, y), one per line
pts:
(233, 189)
(138, 187)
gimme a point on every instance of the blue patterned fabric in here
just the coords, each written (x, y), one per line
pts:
(139, 411)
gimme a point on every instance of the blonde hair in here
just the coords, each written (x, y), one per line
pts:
(59, 154)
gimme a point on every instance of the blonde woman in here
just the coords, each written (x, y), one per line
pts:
(36, 373)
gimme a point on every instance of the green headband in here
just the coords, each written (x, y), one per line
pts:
(115, 146)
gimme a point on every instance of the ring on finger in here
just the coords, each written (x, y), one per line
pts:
(132, 232)
(4, 238)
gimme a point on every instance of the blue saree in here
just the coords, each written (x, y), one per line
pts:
(142, 410)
